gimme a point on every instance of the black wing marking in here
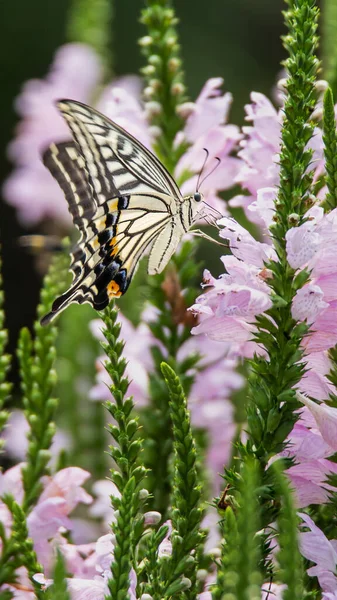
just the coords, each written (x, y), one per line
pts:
(68, 168)
(117, 163)
(104, 265)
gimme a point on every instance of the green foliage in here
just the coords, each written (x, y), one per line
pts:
(329, 31)
(288, 556)
(77, 351)
(18, 549)
(38, 378)
(90, 22)
(171, 293)
(165, 89)
(330, 149)
(239, 573)
(58, 591)
(5, 363)
(126, 454)
(186, 513)
(272, 400)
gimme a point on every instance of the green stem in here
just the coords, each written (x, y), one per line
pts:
(272, 403)
(329, 32)
(90, 22)
(5, 363)
(126, 454)
(289, 558)
(330, 150)
(186, 496)
(38, 378)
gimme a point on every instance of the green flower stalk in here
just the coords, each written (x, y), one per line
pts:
(239, 572)
(126, 454)
(330, 149)
(5, 363)
(171, 292)
(18, 550)
(186, 512)
(329, 31)
(163, 75)
(288, 557)
(272, 401)
(59, 590)
(90, 22)
(38, 378)
(77, 351)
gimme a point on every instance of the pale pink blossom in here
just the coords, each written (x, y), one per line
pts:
(323, 552)
(75, 73)
(16, 443)
(259, 154)
(326, 419)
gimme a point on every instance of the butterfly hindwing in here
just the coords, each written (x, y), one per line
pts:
(68, 168)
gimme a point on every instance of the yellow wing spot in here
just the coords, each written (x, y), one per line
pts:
(95, 243)
(113, 205)
(113, 243)
(113, 290)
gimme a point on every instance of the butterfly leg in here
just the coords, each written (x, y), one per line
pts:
(199, 233)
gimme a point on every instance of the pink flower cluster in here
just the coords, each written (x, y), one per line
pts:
(228, 309)
(259, 153)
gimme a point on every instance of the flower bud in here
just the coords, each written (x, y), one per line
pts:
(155, 131)
(152, 109)
(152, 517)
(293, 219)
(177, 89)
(143, 494)
(148, 70)
(282, 85)
(171, 41)
(174, 64)
(321, 85)
(148, 92)
(145, 41)
(185, 109)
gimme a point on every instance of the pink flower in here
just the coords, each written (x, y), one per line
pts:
(16, 443)
(311, 471)
(259, 154)
(61, 494)
(31, 189)
(326, 420)
(92, 584)
(227, 311)
(101, 506)
(318, 549)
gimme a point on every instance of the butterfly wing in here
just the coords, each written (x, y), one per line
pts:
(96, 173)
(117, 163)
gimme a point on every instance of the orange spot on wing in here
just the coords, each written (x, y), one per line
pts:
(113, 290)
(113, 205)
(114, 250)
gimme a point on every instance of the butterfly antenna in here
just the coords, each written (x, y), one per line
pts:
(202, 168)
(212, 171)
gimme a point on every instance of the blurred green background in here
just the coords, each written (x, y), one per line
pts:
(238, 40)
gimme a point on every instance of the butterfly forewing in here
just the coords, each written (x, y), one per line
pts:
(118, 163)
(122, 200)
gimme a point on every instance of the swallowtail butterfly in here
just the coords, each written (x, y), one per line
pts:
(122, 200)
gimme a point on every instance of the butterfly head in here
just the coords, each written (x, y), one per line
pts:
(197, 197)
